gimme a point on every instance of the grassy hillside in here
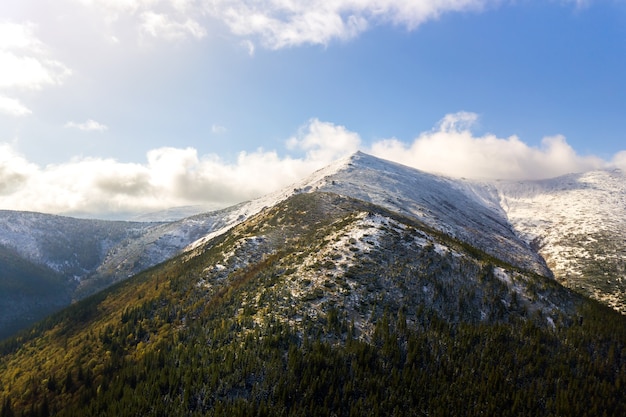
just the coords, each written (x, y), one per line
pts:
(323, 305)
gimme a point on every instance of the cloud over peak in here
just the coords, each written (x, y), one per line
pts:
(453, 150)
(173, 177)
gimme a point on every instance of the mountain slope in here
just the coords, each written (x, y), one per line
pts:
(578, 224)
(81, 257)
(324, 304)
(28, 292)
(467, 211)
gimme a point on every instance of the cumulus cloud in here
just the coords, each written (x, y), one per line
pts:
(24, 62)
(278, 23)
(13, 107)
(324, 141)
(171, 177)
(161, 25)
(619, 160)
(281, 23)
(88, 126)
(452, 149)
(15, 171)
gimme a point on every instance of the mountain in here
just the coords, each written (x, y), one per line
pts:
(366, 289)
(577, 222)
(47, 261)
(572, 227)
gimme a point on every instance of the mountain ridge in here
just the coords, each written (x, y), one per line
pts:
(322, 304)
(497, 217)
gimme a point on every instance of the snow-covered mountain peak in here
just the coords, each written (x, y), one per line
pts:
(468, 211)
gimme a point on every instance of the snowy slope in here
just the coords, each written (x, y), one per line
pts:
(464, 210)
(93, 254)
(334, 252)
(72, 247)
(578, 223)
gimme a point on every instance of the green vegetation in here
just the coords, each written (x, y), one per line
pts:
(259, 322)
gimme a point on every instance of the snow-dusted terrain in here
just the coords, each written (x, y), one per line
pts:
(93, 254)
(467, 211)
(577, 222)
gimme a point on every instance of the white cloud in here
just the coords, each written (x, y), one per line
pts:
(172, 177)
(218, 129)
(117, 7)
(280, 23)
(324, 141)
(88, 126)
(249, 45)
(283, 23)
(162, 26)
(13, 107)
(619, 160)
(15, 36)
(169, 177)
(15, 172)
(24, 63)
(171, 20)
(453, 150)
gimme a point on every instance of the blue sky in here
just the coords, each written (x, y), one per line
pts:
(111, 107)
